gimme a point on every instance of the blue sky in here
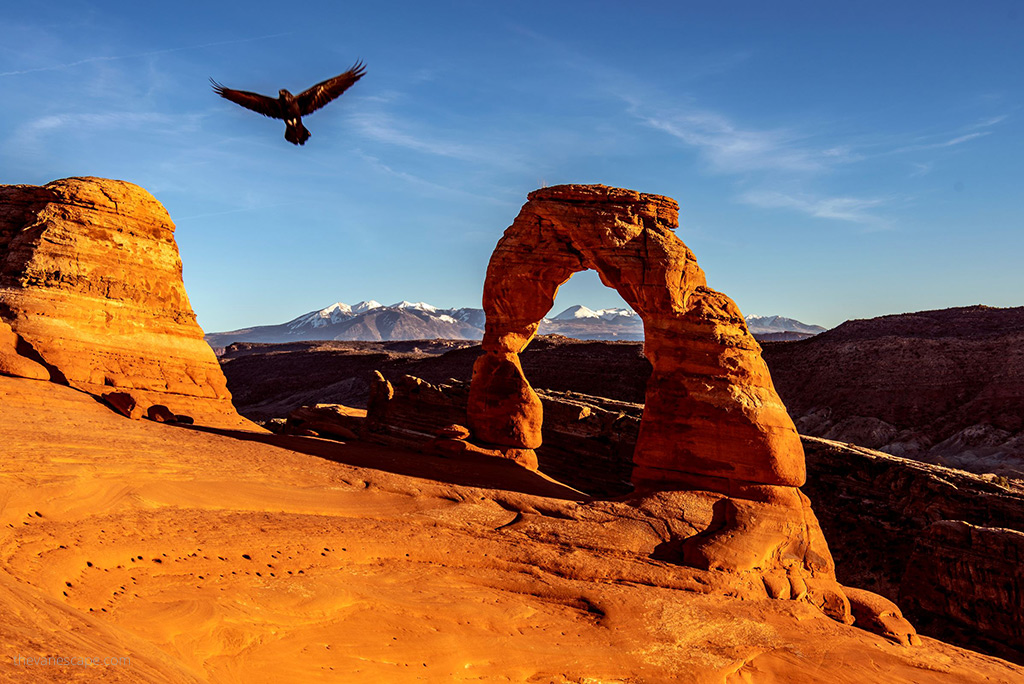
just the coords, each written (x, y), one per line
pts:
(831, 160)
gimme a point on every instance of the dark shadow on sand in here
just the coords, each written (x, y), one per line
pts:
(488, 473)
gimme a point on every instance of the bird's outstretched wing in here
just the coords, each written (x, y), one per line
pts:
(322, 93)
(267, 106)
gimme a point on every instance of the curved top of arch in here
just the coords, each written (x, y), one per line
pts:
(626, 236)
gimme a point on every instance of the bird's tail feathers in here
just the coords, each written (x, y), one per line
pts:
(296, 133)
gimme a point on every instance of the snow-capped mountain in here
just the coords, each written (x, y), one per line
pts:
(417, 306)
(580, 312)
(369, 320)
(335, 313)
(372, 321)
(761, 325)
(585, 323)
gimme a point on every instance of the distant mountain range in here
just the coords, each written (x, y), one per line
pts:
(372, 321)
(763, 326)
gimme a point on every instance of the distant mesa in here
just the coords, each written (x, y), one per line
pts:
(945, 387)
(370, 321)
(91, 288)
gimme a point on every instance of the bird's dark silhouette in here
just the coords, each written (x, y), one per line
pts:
(290, 107)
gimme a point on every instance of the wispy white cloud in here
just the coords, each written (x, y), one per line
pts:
(921, 169)
(991, 121)
(422, 183)
(962, 139)
(851, 209)
(763, 156)
(149, 53)
(958, 140)
(378, 124)
(727, 145)
(82, 122)
(386, 128)
(732, 148)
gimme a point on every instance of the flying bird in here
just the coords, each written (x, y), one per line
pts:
(290, 107)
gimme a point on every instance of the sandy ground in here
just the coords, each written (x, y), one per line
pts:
(171, 554)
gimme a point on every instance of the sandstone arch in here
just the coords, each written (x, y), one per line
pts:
(712, 419)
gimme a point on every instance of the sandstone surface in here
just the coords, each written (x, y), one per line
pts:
(12, 362)
(227, 556)
(875, 508)
(91, 282)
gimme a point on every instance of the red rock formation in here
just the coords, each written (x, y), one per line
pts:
(712, 416)
(874, 508)
(14, 364)
(90, 280)
(712, 419)
(333, 421)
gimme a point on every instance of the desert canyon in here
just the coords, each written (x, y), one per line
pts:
(465, 527)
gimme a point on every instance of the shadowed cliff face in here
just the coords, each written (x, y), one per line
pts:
(90, 282)
(943, 387)
(946, 544)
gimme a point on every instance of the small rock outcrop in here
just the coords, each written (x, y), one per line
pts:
(91, 283)
(419, 415)
(13, 363)
(332, 421)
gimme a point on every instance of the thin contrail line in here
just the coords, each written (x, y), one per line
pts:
(140, 54)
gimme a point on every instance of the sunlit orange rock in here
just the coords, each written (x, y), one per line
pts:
(14, 364)
(712, 416)
(90, 279)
